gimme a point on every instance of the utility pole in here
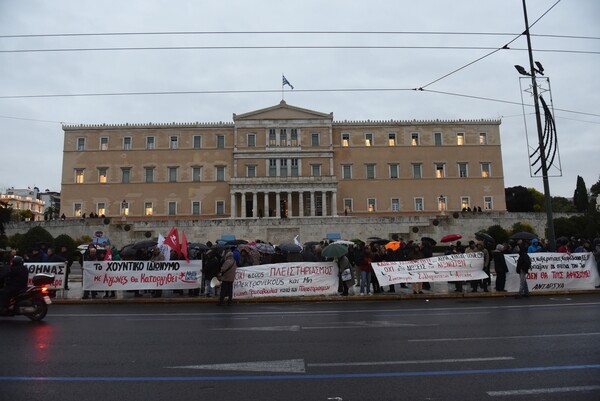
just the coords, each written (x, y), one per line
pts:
(542, 148)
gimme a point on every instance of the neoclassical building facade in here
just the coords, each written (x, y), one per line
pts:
(282, 162)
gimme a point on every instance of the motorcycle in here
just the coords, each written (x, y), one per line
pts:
(32, 302)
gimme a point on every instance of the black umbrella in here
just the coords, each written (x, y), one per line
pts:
(523, 235)
(290, 247)
(128, 251)
(198, 246)
(430, 240)
(485, 237)
(370, 239)
(380, 241)
(312, 243)
(145, 244)
(236, 242)
(562, 240)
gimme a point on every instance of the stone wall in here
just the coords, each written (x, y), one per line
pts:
(278, 231)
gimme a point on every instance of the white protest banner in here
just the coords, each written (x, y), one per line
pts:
(555, 271)
(460, 267)
(57, 268)
(286, 279)
(141, 275)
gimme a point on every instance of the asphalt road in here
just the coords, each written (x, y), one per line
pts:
(541, 348)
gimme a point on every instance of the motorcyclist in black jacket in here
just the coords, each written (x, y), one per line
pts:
(14, 282)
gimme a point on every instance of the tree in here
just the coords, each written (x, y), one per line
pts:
(518, 227)
(498, 233)
(36, 236)
(561, 204)
(6, 211)
(539, 200)
(580, 196)
(595, 189)
(519, 199)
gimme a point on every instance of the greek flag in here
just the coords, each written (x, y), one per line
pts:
(286, 82)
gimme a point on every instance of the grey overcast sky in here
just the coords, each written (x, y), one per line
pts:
(566, 41)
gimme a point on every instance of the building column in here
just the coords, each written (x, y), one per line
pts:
(254, 204)
(243, 200)
(289, 204)
(277, 204)
(312, 203)
(334, 204)
(301, 204)
(324, 203)
(233, 205)
(266, 201)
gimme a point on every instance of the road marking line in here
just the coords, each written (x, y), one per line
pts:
(543, 391)
(501, 338)
(500, 358)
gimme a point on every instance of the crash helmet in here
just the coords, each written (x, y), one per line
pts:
(17, 261)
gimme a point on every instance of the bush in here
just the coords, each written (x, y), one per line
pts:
(498, 233)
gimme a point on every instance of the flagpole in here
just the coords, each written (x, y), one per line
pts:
(282, 85)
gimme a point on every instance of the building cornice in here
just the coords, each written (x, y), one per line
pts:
(382, 123)
(78, 127)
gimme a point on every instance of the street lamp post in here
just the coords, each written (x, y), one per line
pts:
(542, 150)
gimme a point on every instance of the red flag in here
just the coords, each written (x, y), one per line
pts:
(172, 241)
(184, 247)
(108, 254)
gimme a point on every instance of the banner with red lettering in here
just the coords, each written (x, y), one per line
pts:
(141, 275)
(286, 279)
(555, 271)
(59, 270)
(460, 267)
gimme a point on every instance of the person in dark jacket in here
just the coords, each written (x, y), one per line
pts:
(210, 269)
(523, 266)
(14, 282)
(500, 267)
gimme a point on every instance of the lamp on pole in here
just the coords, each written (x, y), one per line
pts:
(538, 119)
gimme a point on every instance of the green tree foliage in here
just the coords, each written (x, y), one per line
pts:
(518, 227)
(65, 240)
(6, 211)
(36, 236)
(565, 227)
(539, 200)
(519, 199)
(16, 242)
(595, 189)
(580, 196)
(498, 233)
(583, 226)
(561, 204)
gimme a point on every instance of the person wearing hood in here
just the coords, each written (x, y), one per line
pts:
(535, 246)
(500, 267)
(227, 274)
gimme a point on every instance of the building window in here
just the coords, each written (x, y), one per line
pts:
(101, 209)
(440, 170)
(80, 144)
(394, 171)
(173, 142)
(345, 140)
(77, 209)
(347, 205)
(149, 173)
(442, 201)
(370, 171)
(196, 174)
(488, 203)
(150, 142)
(485, 170)
(221, 141)
(417, 173)
(251, 171)
(295, 169)
(465, 203)
(414, 139)
(346, 172)
(251, 140)
(220, 173)
(419, 206)
(395, 205)
(314, 139)
(172, 206)
(173, 174)
(196, 208)
(460, 138)
(127, 143)
(294, 137)
(125, 208)
(371, 205)
(272, 167)
(272, 137)
(316, 170)
(102, 175)
(282, 137)
(125, 175)
(283, 168)
(463, 170)
(79, 175)
(437, 138)
(148, 209)
(103, 143)
(220, 207)
(391, 138)
(483, 138)
(369, 139)
(197, 141)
